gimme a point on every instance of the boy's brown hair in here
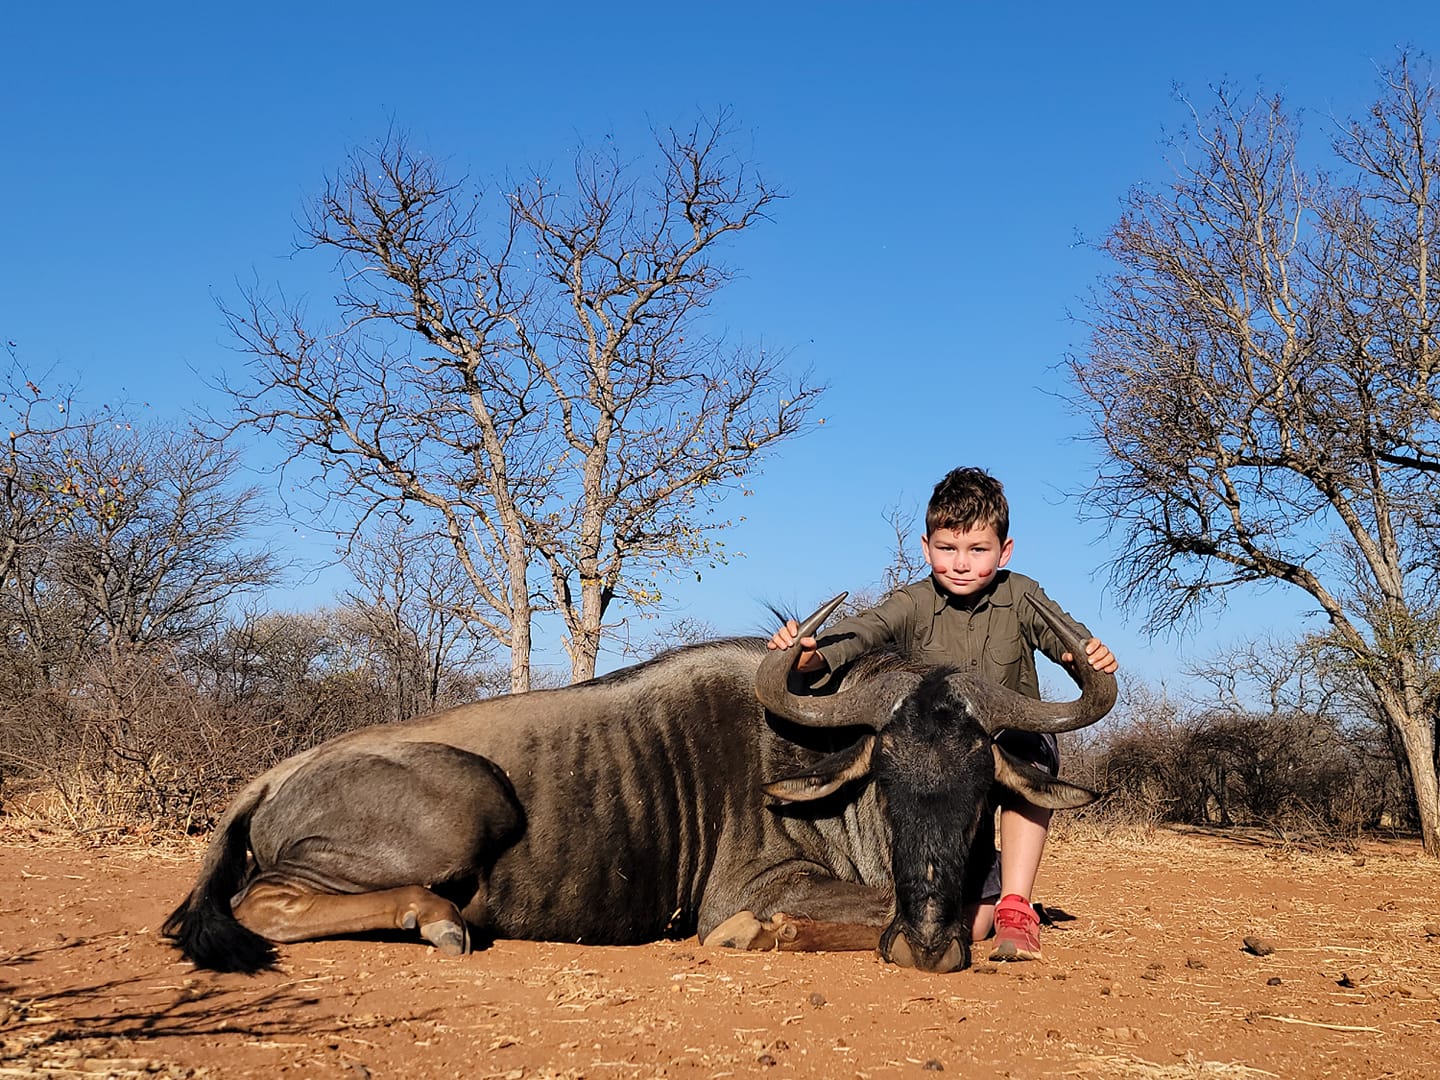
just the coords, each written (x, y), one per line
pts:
(968, 498)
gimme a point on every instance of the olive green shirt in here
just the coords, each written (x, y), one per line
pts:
(992, 634)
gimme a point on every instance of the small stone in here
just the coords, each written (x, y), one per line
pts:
(817, 999)
(1194, 964)
(1258, 946)
(766, 1060)
(1274, 980)
(934, 1065)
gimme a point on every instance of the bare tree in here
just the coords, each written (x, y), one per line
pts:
(908, 562)
(405, 614)
(544, 394)
(1274, 673)
(152, 535)
(1261, 381)
(33, 419)
(139, 544)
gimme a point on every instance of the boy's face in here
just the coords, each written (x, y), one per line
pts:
(965, 561)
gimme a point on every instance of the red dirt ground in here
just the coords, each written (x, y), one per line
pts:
(1145, 975)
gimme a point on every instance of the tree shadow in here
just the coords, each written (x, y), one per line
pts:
(195, 1009)
(33, 954)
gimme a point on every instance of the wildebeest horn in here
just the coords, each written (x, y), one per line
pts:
(997, 707)
(868, 705)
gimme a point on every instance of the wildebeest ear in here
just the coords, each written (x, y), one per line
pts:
(826, 775)
(1036, 785)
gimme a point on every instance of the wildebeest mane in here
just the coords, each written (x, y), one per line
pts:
(645, 668)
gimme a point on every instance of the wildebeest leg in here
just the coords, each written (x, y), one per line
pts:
(799, 907)
(787, 934)
(285, 911)
(353, 843)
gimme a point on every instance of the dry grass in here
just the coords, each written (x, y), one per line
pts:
(47, 817)
(1190, 1069)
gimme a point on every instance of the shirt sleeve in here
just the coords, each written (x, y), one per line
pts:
(888, 623)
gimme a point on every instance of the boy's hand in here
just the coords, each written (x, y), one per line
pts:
(810, 659)
(1099, 655)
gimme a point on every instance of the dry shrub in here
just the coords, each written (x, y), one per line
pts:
(1290, 773)
(140, 746)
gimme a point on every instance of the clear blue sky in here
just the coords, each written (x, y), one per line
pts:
(942, 160)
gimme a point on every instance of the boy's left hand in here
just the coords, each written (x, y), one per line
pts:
(1099, 655)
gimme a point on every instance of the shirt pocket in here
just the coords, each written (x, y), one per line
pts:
(934, 650)
(1004, 653)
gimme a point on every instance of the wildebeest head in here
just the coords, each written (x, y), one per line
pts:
(931, 754)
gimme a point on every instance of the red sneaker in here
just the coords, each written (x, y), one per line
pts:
(1017, 930)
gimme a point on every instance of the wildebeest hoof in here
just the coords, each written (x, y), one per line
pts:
(451, 938)
(740, 931)
(447, 935)
(744, 931)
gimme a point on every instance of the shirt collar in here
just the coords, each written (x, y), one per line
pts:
(999, 594)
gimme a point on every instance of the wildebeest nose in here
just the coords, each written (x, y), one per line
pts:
(897, 947)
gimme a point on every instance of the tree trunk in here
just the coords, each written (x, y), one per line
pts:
(1419, 741)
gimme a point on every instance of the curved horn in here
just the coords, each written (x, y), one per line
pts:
(772, 680)
(867, 705)
(998, 707)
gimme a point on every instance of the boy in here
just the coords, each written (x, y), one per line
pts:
(970, 614)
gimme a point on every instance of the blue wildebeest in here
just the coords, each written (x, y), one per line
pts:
(634, 807)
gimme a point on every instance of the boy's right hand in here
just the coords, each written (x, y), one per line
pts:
(810, 658)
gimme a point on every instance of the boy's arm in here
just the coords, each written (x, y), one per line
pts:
(850, 637)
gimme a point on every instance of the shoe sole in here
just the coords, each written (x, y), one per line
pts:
(1008, 951)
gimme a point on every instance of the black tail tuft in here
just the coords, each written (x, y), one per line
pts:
(203, 927)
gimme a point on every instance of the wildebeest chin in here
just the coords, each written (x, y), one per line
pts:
(695, 793)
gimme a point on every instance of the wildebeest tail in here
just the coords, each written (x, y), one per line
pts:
(204, 927)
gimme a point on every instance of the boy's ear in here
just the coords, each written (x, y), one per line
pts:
(925, 547)
(1006, 549)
